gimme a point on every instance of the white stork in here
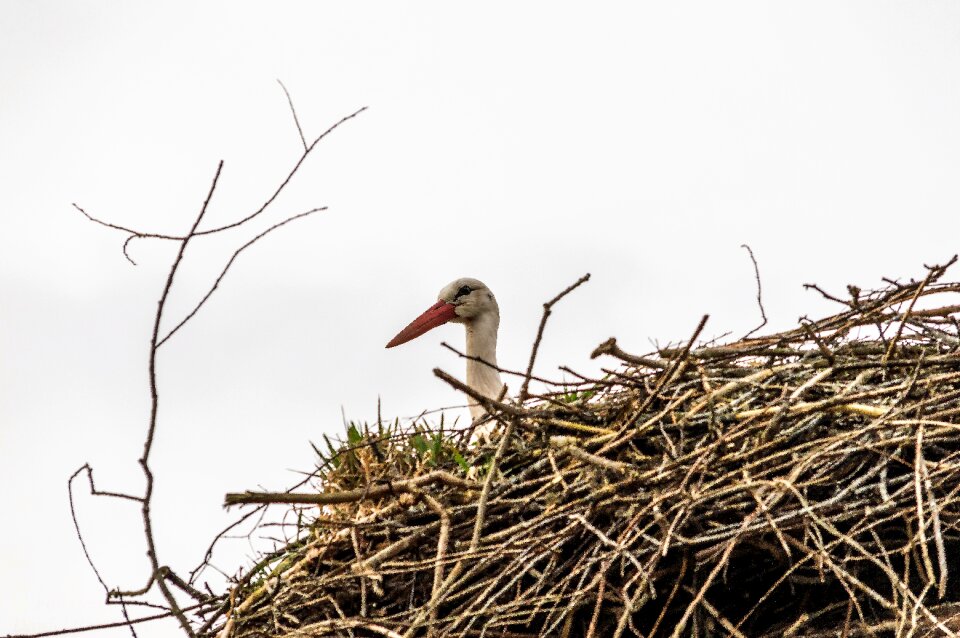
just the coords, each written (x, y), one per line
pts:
(471, 303)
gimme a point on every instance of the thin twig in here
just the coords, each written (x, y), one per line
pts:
(547, 309)
(83, 544)
(293, 110)
(154, 409)
(756, 275)
(223, 273)
(138, 234)
(110, 625)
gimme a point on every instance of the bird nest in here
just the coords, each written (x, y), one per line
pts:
(804, 483)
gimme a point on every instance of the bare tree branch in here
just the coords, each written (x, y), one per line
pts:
(154, 409)
(133, 233)
(756, 275)
(289, 177)
(138, 234)
(547, 310)
(83, 544)
(293, 110)
(160, 575)
(79, 630)
(223, 273)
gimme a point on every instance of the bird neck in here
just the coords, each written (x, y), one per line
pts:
(482, 374)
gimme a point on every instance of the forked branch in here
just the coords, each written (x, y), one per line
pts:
(160, 575)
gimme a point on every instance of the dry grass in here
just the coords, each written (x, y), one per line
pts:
(805, 483)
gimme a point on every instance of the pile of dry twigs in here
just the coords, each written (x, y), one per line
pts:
(805, 483)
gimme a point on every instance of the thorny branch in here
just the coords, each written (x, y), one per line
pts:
(162, 576)
(157, 575)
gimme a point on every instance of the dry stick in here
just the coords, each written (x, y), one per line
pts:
(721, 563)
(812, 334)
(826, 295)
(547, 309)
(593, 459)
(724, 622)
(809, 556)
(289, 177)
(673, 592)
(154, 408)
(296, 120)
(442, 541)
(110, 625)
(934, 273)
(521, 565)
(858, 313)
(906, 315)
(363, 583)
(942, 311)
(937, 533)
(503, 370)
(133, 233)
(83, 544)
(209, 553)
(374, 491)
(223, 273)
(494, 406)
(184, 586)
(371, 563)
(902, 585)
(599, 602)
(611, 348)
(756, 275)
(490, 405)
(327, 627)
(197, 233)
(919, 462)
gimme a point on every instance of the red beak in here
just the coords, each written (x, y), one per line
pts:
(437, 315)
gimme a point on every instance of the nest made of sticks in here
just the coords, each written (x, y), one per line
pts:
(803, 483)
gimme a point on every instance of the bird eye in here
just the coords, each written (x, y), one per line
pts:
(464, 290)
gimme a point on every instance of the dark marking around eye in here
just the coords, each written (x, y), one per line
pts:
(464, 290)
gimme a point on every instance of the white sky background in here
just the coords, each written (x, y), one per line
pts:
(523, 144)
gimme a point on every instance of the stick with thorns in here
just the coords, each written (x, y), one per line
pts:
(161, 576)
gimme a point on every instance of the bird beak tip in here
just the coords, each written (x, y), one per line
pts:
(439, 313)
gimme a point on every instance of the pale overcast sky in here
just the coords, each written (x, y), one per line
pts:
(520, 143)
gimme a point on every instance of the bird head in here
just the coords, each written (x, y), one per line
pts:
(461, 301)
